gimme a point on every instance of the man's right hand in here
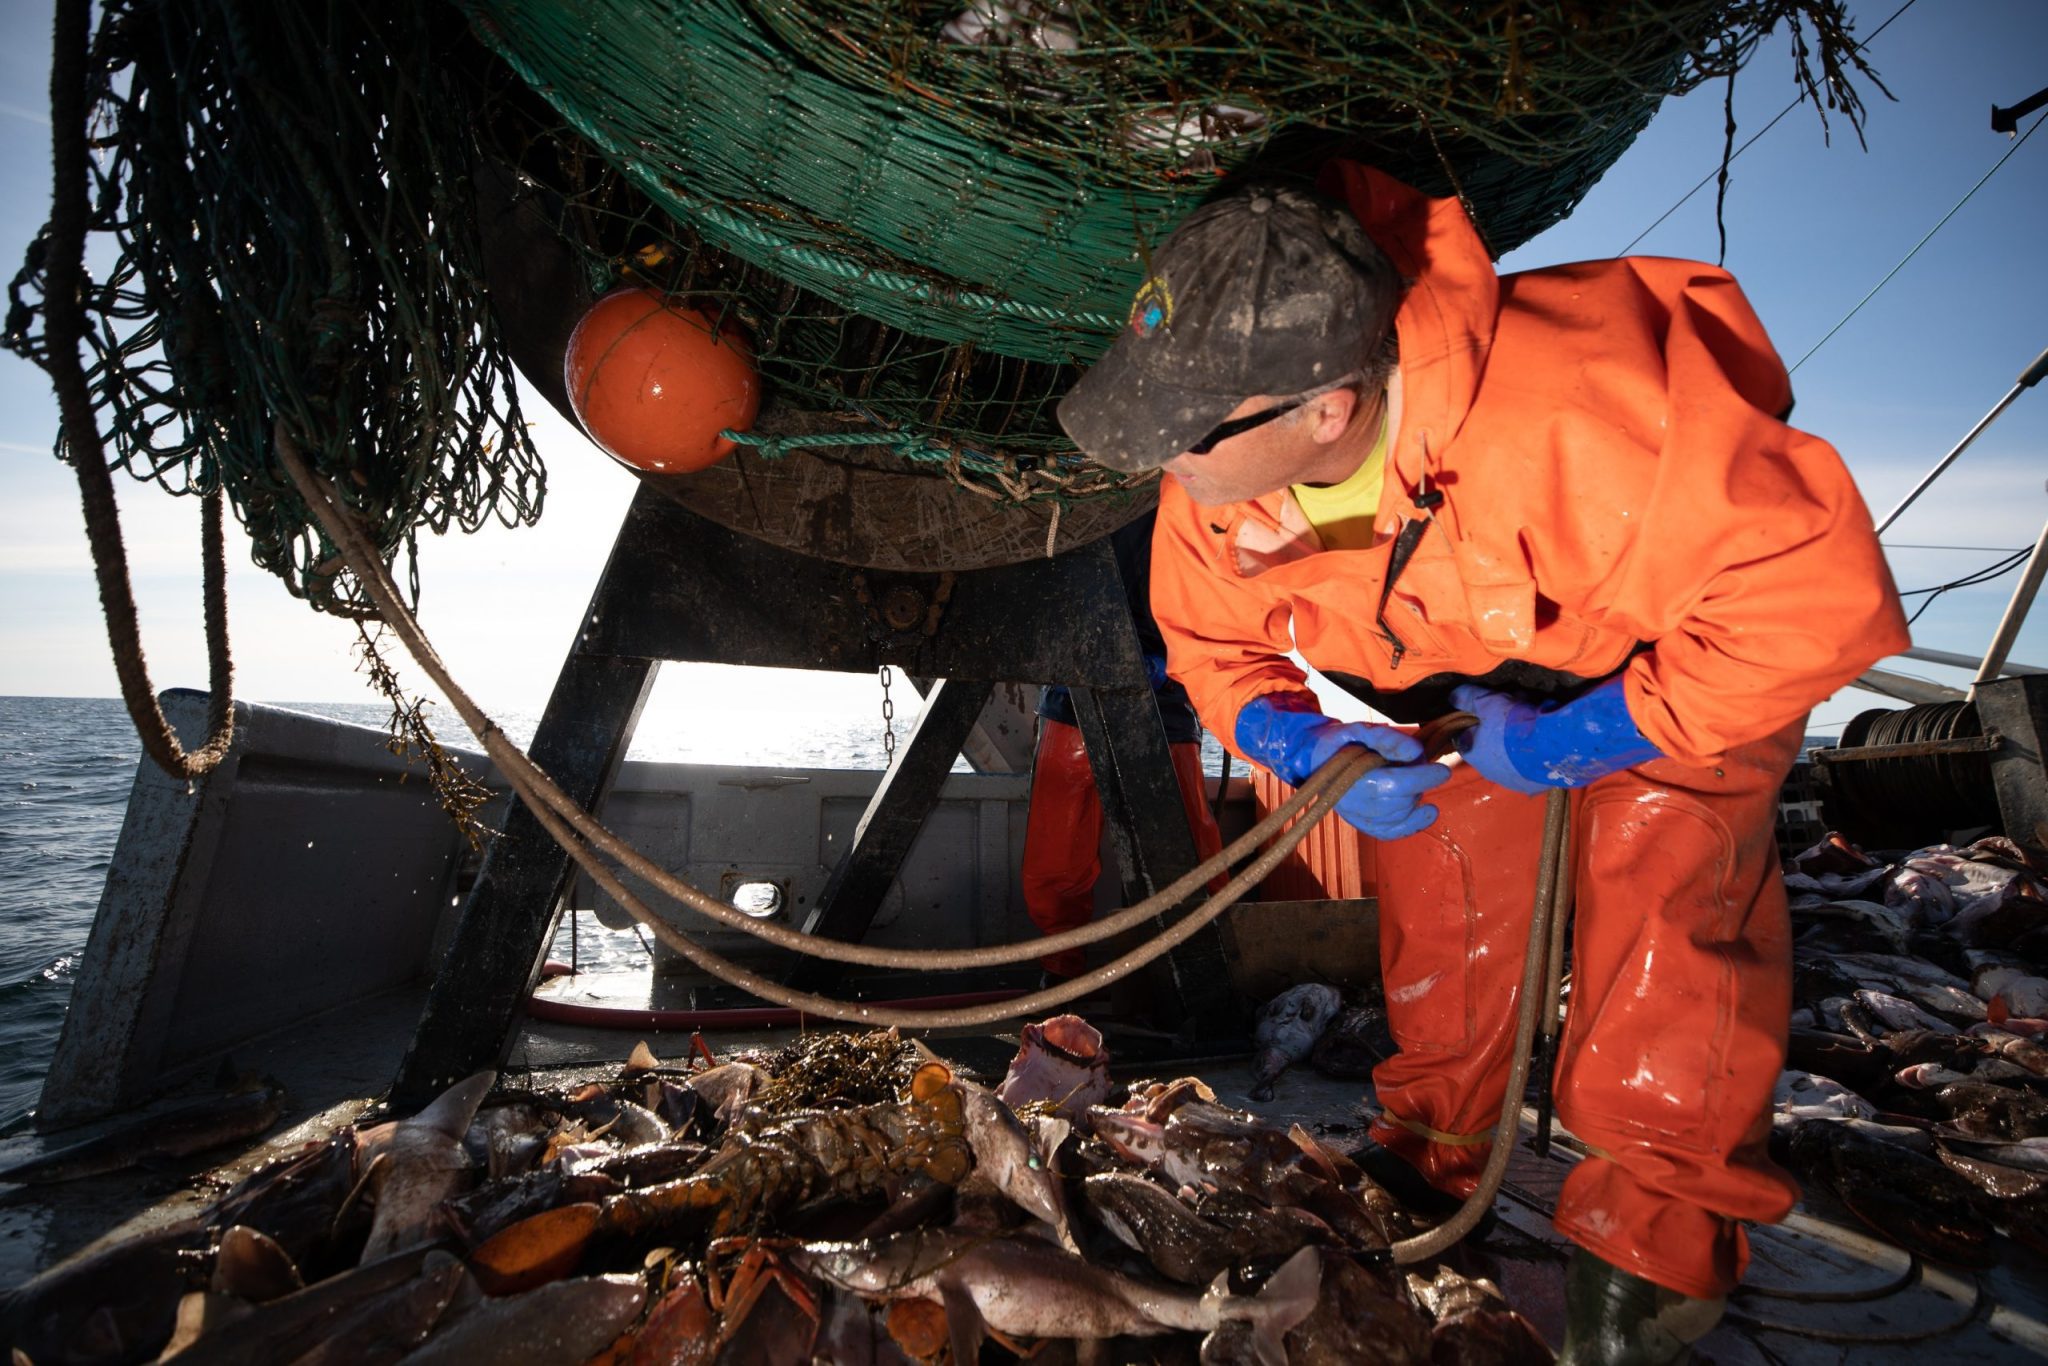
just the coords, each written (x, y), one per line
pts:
(1289, 735)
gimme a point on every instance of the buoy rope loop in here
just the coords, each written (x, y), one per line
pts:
(64, 324)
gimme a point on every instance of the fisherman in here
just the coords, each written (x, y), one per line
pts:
(1565, 501)
(1063, 832)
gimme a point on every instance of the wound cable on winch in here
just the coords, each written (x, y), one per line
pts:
(563, 819)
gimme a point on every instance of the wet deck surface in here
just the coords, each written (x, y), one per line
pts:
(1820, 1290)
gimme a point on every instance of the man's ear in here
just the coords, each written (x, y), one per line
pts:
(1333, 414)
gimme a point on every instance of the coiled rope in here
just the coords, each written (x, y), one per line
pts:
(584, 838)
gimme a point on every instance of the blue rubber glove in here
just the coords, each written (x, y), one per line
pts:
(1155, 671)
(1286, 733)
(1532, 747)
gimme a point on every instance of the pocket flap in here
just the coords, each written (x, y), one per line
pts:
(1503, 615)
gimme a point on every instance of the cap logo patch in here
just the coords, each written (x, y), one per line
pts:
(1152, 309)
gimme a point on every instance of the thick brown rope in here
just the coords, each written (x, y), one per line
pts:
(1349, 765)
(563, 819)
(63, 330)
(537, 789)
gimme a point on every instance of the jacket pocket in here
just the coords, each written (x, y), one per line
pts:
(1500, 595)
(1503, 615)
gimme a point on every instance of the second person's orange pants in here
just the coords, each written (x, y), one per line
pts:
(1676, 1027)
(1063, 834)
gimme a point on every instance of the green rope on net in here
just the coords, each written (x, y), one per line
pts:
(904, 445)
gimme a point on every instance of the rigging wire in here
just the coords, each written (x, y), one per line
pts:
(1997, 569)
(2021, 142)
(1729, 160)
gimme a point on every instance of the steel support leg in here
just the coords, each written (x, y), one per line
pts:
(890, 825)
(681, 587)
(500, 940)
(1148, 826)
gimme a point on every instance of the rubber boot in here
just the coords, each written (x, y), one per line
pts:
(1613, 1318)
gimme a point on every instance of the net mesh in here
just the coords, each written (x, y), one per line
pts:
(285, 191)
(925, 214)
(929, 213)
(1148, 92)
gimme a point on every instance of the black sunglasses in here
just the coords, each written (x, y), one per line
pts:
(1237, 426)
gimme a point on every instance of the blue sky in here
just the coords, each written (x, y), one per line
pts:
(1811, 227)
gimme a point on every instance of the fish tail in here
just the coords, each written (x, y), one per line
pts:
(965, 1327)
(1288, 1297)
(452, 1111)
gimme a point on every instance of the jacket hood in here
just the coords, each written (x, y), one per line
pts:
(1447, 317)
(1445, 326)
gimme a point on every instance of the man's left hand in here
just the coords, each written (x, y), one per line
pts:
(1530, 747)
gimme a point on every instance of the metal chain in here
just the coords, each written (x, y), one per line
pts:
(888, 723)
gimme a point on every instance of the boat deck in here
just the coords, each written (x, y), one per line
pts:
(1820, 1289)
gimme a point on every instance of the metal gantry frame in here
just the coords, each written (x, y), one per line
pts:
(681, 587)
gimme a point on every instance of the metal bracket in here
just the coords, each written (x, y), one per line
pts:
(1988, 743)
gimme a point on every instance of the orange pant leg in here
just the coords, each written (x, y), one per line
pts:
(1063, 834)
(1676, 1031)
(1194, 801)
(1676, 1028)
(1062, 841)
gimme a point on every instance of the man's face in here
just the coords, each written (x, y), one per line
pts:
(1282, 452)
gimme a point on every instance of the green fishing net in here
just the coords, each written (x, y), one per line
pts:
(938, 209)
(283, 191)
(925, 214)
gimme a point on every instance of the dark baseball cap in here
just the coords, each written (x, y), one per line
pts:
(1268, 289)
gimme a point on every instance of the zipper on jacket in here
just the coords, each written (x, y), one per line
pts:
(1427, 500)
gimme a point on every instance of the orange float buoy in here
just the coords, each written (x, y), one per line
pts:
(654, 382)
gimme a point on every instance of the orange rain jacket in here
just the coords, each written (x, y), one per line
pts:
(1607, 438)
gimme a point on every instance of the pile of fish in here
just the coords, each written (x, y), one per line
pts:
(848, 1199)
(1918, 1083)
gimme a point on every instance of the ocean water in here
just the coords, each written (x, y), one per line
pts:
(66, 766)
